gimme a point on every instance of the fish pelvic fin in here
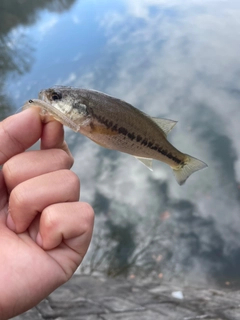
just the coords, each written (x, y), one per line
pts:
(190, 166)
(146, 161)
(165, 124)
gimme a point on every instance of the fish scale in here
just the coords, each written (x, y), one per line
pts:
(117, 125)
(139, 130)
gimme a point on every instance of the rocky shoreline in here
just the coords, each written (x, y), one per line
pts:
(98, 298)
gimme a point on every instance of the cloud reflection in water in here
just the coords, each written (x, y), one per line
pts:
(181, 62)
(178, 60)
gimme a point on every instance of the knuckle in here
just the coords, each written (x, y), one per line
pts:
(14, 140)
(72, 179)
(89, 214)
(49, 218)
(63, 158)
(9, 172)
(18, 198)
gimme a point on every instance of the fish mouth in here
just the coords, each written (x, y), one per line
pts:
(42, 96)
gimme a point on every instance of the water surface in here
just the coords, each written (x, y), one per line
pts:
(178, 60)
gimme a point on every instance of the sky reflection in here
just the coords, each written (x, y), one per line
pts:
(178, 60)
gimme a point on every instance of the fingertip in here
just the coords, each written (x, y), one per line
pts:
(33, 117)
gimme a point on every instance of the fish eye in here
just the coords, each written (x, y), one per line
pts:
(56, 96)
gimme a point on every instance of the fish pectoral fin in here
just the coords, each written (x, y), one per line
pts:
(146, 161)
(165, 124)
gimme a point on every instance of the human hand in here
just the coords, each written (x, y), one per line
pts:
(44, 230)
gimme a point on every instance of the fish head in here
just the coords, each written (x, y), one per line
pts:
(67, 102)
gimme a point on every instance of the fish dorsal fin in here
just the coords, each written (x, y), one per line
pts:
(165, 124)
(146, 161)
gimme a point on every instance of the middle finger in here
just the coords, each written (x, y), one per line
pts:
(31, 164)
(30, 197)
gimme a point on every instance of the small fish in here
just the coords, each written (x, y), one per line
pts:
(115, 124)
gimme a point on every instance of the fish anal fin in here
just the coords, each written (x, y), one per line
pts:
(146, 161)
(165, 124)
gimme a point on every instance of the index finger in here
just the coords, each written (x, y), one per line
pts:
(20, 131)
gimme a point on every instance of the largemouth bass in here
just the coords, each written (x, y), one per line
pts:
(115, 124)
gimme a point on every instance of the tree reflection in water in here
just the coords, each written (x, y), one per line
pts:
(15, 49)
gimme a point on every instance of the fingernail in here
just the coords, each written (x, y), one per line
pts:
(10, 223)
(39, 240)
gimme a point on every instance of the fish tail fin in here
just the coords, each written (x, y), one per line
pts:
(190, 166)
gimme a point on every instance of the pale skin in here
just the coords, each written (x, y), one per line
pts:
(44, 230)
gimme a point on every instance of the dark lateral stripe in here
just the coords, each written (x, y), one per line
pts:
(115, 128)
(138, 138)
(106, 122)
(131, 136)
(123, 131)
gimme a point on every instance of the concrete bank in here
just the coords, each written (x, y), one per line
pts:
(93, 298)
